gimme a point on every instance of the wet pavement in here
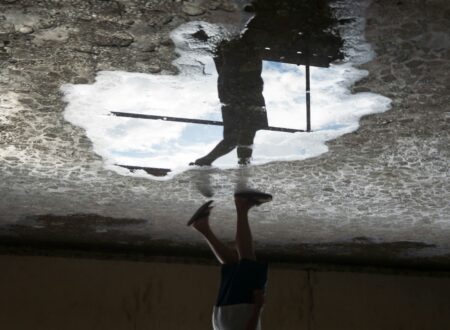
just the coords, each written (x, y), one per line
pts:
(256, 84)
(378, 195)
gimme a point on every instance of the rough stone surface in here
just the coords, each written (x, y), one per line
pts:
(192, 9)
(25, 29)
(379, 195)
(116, 39)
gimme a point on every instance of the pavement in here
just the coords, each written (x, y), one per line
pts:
(379, 196)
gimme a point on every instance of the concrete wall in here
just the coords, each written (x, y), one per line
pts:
(58, 293)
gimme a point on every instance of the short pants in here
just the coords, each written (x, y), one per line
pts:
(239, 280)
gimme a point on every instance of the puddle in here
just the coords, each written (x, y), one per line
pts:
(239, 98)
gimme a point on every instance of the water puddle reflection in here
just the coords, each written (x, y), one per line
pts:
(276, 91)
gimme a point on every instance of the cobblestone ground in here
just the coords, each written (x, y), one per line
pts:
(381, 194)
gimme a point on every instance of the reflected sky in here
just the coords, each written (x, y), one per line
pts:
(193, 94)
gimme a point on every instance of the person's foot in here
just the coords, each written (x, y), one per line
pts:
(202, 223)
(246, 199)
(244, 161)
(201, 162)
(243, 204)
(200, 219)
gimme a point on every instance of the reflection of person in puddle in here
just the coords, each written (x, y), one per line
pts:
(240, 86)
(243, 279)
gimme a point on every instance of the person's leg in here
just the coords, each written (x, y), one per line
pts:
(245, 145)
(221, 149)
(229, 141)
(244, 239)
(223, 253)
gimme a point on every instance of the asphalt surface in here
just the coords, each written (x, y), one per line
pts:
(378, 196)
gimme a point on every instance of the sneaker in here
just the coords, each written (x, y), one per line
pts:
(201, 212)
(255, 196)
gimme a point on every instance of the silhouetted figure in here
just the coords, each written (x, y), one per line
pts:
(240, 87)
(287, 31)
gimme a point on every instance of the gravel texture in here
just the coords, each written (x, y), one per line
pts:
(380, 195)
